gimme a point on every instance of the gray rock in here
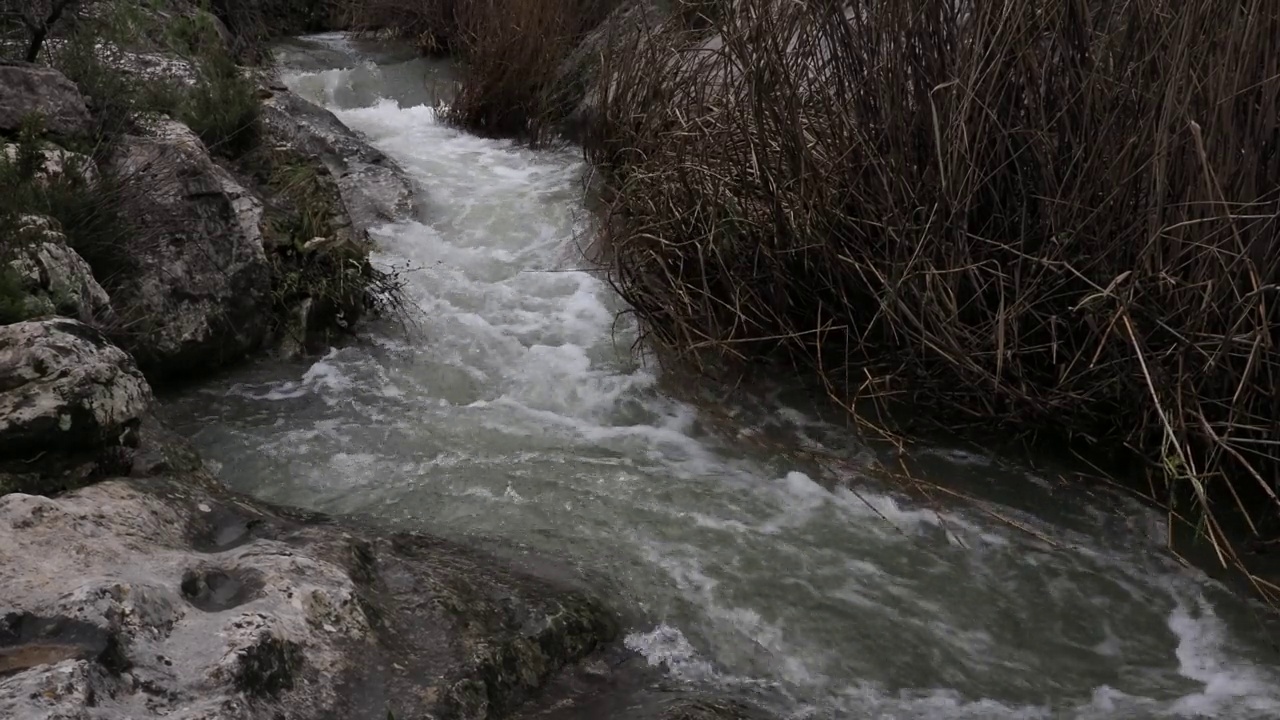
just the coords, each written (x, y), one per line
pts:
(197, 298)
(171, 598)
(374, 188)
(154, 66)
(56, 161)
(65, 389)
(59, 280)
(27, 89)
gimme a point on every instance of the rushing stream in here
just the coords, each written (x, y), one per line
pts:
(516, 410)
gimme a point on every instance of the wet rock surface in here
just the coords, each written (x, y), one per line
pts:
(28, 640)
(619, 685)
(65, 389)
(172, 598)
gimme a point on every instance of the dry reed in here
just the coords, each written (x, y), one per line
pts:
(1050, 217)
(510, 55)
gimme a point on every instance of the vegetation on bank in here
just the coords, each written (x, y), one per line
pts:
(95, 52)
(511, 55)
(136, 61)
(83, 200)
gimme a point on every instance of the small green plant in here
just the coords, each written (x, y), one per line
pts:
(83, 200)
(13, 294)
(218, 103)
(313, 260)
(223, 107)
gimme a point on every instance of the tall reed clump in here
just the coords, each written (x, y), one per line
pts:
(432, 25)
(1051, 216)
(510, 55)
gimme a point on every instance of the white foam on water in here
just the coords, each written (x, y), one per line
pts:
(802, 497)
(1228, 683)
(667, 647)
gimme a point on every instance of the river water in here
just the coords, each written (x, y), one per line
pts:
(514, 409)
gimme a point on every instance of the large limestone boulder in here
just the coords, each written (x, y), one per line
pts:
(65, 389)
(27, 89)
(374, 188)
(56, 279)
(168, 598)
(199, 295)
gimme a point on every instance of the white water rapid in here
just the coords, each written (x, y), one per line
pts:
(517, 411)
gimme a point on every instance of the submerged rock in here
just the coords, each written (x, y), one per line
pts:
(36, 90)
(709, 709)
(171, 598)
(197, 298)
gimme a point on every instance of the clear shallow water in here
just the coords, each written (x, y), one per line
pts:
(516, 410)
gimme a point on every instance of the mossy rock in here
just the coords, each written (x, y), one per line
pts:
(322, 276)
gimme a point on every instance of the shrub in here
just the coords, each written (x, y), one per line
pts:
(115, 97)
(222, 107)
(220, 104)
(1045, 217)
(510, 55)
(510, 52)
(315, 259)
(13, 296)
(84, 200)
